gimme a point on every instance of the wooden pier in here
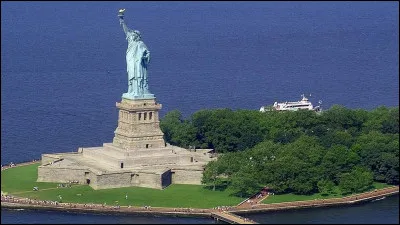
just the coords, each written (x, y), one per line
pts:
(231, 218)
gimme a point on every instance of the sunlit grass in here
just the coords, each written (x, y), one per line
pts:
(21, 180)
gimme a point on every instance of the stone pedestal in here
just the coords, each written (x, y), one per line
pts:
(138, 125)
(138, 155)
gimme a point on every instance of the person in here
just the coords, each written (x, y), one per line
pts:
(137, 62)
(126, 196)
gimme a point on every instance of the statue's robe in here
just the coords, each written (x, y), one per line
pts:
(136, 66)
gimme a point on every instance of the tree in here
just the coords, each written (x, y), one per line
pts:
(286, 136)
(178, 131)
(339, 117)
(299, 152)
(326, 187)
(226, 130)
(380, 153)
(358, 180)
(390, 124)
(245, 182)
(211, 175)
(389, 168)
(338, 159)
(169, 123)
(295, 168)
(383, 119)
(336, 137)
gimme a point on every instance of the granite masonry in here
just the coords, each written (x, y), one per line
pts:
(138, 155)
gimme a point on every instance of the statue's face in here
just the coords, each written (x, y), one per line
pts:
(132, 36)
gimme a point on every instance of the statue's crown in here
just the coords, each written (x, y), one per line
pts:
(137, 32)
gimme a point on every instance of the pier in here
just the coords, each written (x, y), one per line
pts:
(231, 218)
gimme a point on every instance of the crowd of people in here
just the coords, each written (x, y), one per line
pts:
(11, 164)
(13, 199)
(223, 208)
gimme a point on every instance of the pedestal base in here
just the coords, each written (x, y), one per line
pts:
(138, 125)
(133, 97)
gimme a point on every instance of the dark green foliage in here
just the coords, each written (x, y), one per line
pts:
(335, 137)
(177, 131)
(380, 153)
(245, 182)
(358, 180)
(338, 159)
(339, 117)
(326, 187)
(385, 120)
(222, 129)
(212, 176)
(300, 152)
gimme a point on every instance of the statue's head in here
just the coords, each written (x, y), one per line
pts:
(134, 35)
(137, 35)
(137, 32)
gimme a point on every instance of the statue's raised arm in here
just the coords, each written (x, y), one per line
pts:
(122, 22)
(126, 28)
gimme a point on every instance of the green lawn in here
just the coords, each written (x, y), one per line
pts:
(292, 197)
(22, 178)
(20, 181)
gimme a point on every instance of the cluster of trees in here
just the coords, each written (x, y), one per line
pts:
(300, 152)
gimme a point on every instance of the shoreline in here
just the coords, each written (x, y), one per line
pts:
(188, 212)
(355, 199)
(105, 211)
(12, 202)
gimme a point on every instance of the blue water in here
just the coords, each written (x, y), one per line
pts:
(63, 63)
(378, 212)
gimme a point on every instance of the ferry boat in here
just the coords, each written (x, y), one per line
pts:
(303, 104)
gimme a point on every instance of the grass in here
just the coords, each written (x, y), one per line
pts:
(292, 197)
(22, 178)
(20, 181)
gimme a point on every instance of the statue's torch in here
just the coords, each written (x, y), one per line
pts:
(121, 14)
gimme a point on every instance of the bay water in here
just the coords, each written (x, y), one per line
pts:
(63, 68)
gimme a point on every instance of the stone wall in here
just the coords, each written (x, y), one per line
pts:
(61, 174)
(48, 158)
(181, 176)
(101, 158)
(128, 179)
(150, 161)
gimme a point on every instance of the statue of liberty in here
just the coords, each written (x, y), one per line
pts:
(137, 62)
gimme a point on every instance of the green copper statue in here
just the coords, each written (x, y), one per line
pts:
(137, 62)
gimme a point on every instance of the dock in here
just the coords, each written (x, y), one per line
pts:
(231, 218)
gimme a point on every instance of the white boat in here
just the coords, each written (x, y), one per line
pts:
(292, 106)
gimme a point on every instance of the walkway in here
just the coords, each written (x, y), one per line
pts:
(231, 218)
(367, 196)
(253, 200)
